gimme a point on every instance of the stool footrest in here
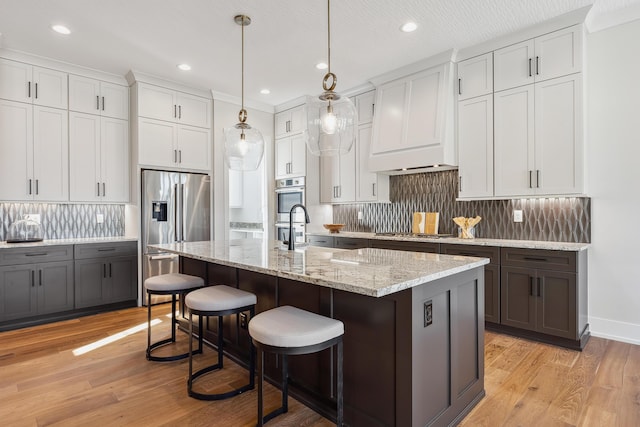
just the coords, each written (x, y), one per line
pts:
(271, 415)
(167, 358)
(219, 396)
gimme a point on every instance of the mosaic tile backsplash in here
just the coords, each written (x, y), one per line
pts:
(66, 221)
(554, 219)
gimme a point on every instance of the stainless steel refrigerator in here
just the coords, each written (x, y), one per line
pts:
(175, 208)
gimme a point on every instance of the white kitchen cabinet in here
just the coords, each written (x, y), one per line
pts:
(33, 152)
(97, 97)
(165, 144)
(98, 158)
(290, 157)
(538, 138)
(290, 122)
(365, 105)
(475, 76)
(409, 127)
(160, 103)
(546, 57)
(338, 178)
(371, 186)
(475, 147)
(34, 85)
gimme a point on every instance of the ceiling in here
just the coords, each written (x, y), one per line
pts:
(282, 45)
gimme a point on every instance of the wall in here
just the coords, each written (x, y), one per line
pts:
(613, 152)
(62, 221)
(557, 219)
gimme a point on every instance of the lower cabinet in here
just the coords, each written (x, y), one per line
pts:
(324, 241)
(105, 273)
(406, 246)
(32, 289)
(350, 243)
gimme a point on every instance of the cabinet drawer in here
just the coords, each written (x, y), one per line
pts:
(537, 258)
(350, 243)
(106, 249)
(36, 254)
(324, 241)
(429, 247)
(491, 252)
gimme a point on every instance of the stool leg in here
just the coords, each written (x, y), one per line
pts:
(173, 318)
(148, 325)
(260, 387)
(220, 342)
(252, 356)
(190, 351)
(285, 384)
(340, 414)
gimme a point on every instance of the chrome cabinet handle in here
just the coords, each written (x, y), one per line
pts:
(30, 187)
(530, 174)
(97, 102)
(537, 178)
(103, 103)
(98, 185)
(459, 86)
(460, 184)
(529, 67)
(179, 111)
(179, 156)
(374, 189)
(104, 189)
(537, 65)
(175, 110)
(175, 156)
(28, 89)
(36, 90)
(37, 190)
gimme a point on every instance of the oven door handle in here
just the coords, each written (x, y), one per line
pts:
(289, 190)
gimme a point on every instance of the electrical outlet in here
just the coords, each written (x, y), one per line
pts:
(34, 217)
(243, 320)
(428, 313)
(517, 215)
(359, 215)
(99, 218)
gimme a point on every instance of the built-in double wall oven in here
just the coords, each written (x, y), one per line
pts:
(288, 193)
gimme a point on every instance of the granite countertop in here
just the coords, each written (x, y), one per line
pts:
(505, 243)
(73, 241)
(369, 271)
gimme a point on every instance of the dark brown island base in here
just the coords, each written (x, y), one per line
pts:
(414, 324)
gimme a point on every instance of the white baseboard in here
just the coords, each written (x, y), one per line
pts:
(615, 330)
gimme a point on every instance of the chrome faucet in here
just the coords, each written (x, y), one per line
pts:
(292, 235)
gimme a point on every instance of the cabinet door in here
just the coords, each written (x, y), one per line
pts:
(156, 102)
(51, 154)
(514, 142)
(329, 178)
(122, 278)
(55, 286)
(193, 110)
(16, 164)
(84, 157)
(283, 157)
(15, 84)
(281, 123)
(156, 143)
(475, 76)
(367, 190)
(556, 310)
(475, 147)
(365, 106)
(558, 53)
(298, 156)
(114, 159)
(90, 283)
(517, 299)
(49, 88)
(17, 292)
(84, 94)
(194, 147)
(114, 100)
(558, 136)
(297, 120)
(492, 293)
(391, 100)
(347, 179)
(424, 120)
(513, 66)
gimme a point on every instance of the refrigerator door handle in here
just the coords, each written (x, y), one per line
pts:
(175, 213)
(183, 231)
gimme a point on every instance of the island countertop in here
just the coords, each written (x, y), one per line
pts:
(370, 271)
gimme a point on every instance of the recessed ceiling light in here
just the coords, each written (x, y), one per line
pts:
(184, 67)
(409, 27)
(321, 66)
(61, 29)
(265, 91)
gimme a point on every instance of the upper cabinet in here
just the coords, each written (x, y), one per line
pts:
(475, 76)
(97, 97)
(365, 105)
(290, 122)
(546, 57)
(165, 104)
(291, 157)
(34, 85)
(338, 178)
(410, 127)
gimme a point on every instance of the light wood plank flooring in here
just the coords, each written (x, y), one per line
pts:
(43, 383)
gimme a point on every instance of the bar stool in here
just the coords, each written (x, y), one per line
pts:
(220, 300)
(173, 284)
(287, 331)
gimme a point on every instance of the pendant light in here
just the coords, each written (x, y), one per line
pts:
(331, 119)
(243, 145)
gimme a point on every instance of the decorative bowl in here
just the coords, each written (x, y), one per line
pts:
(333, 228)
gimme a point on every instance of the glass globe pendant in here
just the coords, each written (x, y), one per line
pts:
(332, 120)
(243, 145)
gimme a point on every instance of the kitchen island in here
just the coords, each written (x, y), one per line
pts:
(413, 343)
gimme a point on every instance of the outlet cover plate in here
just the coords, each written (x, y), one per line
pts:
(517, 215)
(99, 218)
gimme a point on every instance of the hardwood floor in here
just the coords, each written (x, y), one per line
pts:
(42, 381)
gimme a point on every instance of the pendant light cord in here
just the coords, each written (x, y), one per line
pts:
(329, 36)
(242, 91)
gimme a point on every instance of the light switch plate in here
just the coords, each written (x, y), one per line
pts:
(99, 218)
(359, 214)
(34, 217)
(517, 215)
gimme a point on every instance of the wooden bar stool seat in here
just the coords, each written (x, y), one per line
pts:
(287, 331)
(220, 300)
(173, 284)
